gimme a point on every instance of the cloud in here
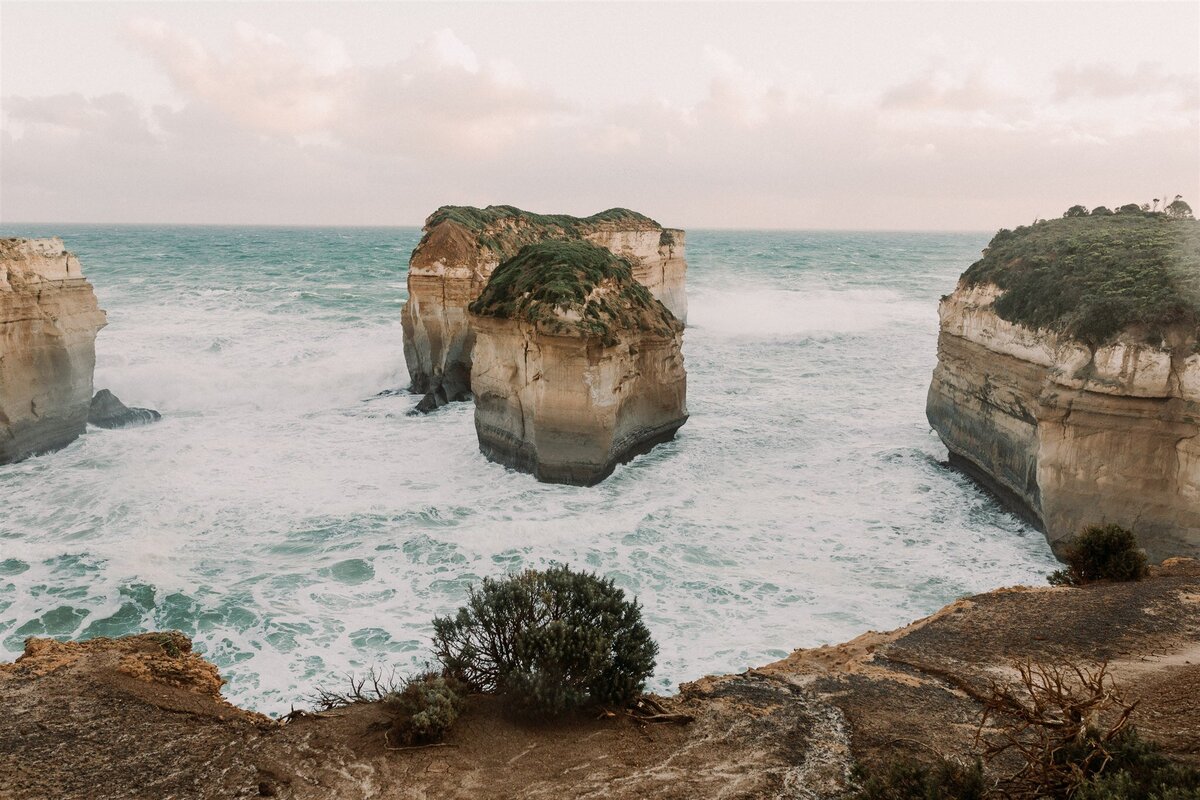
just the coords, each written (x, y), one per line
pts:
(939, 89)
(1147, 80)
(440, 98)
(267, 129)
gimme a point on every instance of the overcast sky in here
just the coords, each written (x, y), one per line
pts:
(879, 116)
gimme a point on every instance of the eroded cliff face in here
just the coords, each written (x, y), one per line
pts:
(1072, 435)
(48, 324)
(460, 249)
(570, 409)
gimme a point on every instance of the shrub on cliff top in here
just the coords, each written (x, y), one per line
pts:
(549, 641)
(547, 278)
(1137, 770)
(1101, 552)
(905, 779)
(1094, 276)
(424, 710)
(496, 228)
(480, 218)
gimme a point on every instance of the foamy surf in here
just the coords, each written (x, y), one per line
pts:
(300, 525)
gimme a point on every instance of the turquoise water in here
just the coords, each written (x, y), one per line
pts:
(299, 525)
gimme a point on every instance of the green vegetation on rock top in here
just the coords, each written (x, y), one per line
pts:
(553, 284)
(1093, 276)
(480, 218)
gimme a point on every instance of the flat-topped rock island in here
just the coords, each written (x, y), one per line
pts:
(462, 246)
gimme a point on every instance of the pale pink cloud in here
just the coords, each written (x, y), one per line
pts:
(266, 128)
(1145, 79)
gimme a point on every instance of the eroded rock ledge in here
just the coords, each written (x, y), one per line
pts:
(576, 366)
(49, 319)
(1092, 416)
(143, 717)
(460, 248)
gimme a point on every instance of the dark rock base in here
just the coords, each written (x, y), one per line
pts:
(502, 447)
(48, 434)
(109, 412)
(453, 387)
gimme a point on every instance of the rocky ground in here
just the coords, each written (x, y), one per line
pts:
(142, 717)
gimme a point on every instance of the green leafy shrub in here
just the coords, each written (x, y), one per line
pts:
(1137, 770)
(905, 779)
(549, 641)
(1094, 276)
(424, 710)
(1133, 769)
(1101, 552)
(1178, 209)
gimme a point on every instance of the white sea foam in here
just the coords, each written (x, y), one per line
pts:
(299, 526)
(782, 313)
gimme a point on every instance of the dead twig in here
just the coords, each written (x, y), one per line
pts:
(1051, 713)
(420, 746)
(678, 719)
(650, 701)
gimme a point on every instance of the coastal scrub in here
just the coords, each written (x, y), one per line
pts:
(1095, 276)
(549, 641)
(573, 287)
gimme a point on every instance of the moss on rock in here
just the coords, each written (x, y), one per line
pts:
(1094, 277)
(573, 287)
(505, 229)
(480, 218)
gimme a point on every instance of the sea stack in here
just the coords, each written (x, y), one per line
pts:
(1068, 379)
(48, 324)
(462, 246)
(577, 367)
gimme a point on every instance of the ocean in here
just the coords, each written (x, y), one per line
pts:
(290, 516)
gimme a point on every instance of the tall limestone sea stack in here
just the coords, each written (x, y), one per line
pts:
(576, 366)
(461, 247)
(48, 324)
(1068, 375)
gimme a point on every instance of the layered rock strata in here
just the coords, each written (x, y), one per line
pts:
(576, 367)
(460, 248)
(1069, 432)
(143, 716)
(48, 324)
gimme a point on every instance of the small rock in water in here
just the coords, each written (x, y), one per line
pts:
(109, 412)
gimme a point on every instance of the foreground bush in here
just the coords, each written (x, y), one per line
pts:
(423, 711)
(905, 779)
(1101, 552)
(1058, 733)
(550, 641)
(1138, 771)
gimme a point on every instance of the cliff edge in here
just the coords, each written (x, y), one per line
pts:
(577, 367)
(461, 247)
(1068, 377)
(143, 717)
(49, 319)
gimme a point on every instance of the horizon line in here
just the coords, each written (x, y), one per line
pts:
(352, 226)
